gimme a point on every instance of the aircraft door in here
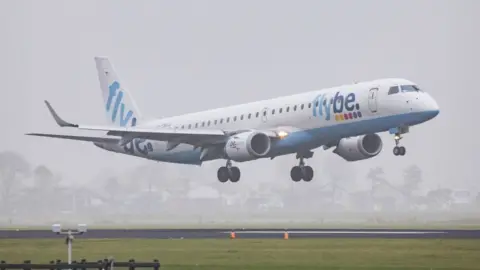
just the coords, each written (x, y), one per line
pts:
(264, 115)
(372, 100)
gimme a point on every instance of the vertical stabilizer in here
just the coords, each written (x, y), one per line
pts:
(120, 108)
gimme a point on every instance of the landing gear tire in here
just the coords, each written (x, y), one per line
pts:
(307, 173)
(223, 174)
(399, 151)
(228, 172)
(301, 172)
(296, 174)
(234, 173)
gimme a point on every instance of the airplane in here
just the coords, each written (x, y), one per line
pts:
(347, 118)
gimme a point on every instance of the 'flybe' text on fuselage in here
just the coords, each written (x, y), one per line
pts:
(343, 108)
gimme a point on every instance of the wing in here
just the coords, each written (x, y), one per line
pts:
(196, 137)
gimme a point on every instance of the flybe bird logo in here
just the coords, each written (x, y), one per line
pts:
(343, 108)
(114, 92)
(233, 144)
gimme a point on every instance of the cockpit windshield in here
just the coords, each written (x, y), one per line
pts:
(393, 90)
(403, 88)
(410, 88)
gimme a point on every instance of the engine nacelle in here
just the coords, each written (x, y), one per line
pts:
(248, 146)
(359, 148)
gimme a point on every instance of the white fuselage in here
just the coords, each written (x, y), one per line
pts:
(311, 119)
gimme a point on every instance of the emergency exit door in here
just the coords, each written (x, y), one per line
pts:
(372, 100)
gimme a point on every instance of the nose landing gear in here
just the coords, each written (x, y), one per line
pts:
(398, 150)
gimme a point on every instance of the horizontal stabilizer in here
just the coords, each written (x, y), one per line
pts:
(77, 138)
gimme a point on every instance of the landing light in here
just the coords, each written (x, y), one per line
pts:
(282, 134)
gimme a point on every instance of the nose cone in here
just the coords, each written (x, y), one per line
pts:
(431, 107)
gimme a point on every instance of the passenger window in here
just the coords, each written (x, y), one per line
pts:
(196, 125)
(301, 107)
(221, 120)
(393, 90)
(273, 111)
(264, 113)
(234, 118)
(295, 107)
(309, 105)
(249, 115)
(189, 126)
(280, 110)
(288, 109)
(228, 119)
(257, 114)
(241, 117)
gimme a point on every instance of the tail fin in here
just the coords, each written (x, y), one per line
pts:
(120, 108)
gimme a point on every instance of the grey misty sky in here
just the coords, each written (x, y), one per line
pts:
(183, 56)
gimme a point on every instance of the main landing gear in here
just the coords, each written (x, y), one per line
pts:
(302, 171)
(398, 150)
(228, 172)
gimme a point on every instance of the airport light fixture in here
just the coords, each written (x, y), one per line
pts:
(69, 236)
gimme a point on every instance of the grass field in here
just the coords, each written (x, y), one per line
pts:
(260, 254)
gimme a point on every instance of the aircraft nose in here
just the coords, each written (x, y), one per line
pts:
(431, 106)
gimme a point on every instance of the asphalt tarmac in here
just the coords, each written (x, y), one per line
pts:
(246, 233)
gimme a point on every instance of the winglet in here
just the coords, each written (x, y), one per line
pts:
(57, 118)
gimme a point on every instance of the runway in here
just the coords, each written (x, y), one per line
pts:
(246, 233)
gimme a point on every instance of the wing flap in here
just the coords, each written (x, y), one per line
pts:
(77, 138)
(193, 137)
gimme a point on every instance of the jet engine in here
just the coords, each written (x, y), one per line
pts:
(248, 146)
(359, 148)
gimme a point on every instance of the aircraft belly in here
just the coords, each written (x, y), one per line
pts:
(156, 150)
(295, 142)
(182, 153)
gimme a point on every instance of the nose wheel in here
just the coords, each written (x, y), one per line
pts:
(398, 150)
(228, 172)
(301, 172)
